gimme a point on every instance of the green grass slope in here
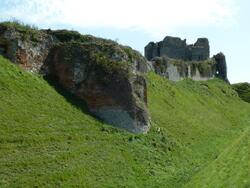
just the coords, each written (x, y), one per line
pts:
(205, 117)
(231, 169)
(47, 142)
(243, 89)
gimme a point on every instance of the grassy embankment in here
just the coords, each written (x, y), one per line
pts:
(198, 130)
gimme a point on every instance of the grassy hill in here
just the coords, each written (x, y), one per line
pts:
(197, 127)
(230, 169)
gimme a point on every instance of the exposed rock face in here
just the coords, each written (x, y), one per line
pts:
(103, 75)
(177, 70)
(176, 48)
(28, 48)
(108, 77)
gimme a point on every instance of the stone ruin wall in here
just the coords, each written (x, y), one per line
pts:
(179, 70)
(193, 60)
(176, 48)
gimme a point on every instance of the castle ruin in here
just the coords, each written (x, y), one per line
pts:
(176, 48)
(174, 59)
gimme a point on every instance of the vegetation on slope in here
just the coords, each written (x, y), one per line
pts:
(34, 35)
(243, 89)
(26, 32)
(205, 117)
(47, 142)
(230, 169)
(206, 67)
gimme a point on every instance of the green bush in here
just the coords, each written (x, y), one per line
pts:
(243, 90)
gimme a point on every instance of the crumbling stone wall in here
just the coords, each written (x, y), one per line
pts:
(175, 60)
(177, 70)
(200, 50)
(174, 47)
(221, 66)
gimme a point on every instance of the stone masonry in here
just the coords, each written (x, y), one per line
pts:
(176, 48)
(174, 59)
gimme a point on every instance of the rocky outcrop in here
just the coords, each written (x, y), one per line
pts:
(175, 48)
(108, 77)
(176, 69)
(24, 46)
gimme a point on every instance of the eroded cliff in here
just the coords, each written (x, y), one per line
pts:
(108, 77)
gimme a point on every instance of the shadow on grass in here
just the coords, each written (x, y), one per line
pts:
(71, 98)
(78, 103)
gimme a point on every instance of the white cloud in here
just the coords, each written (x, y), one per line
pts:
(154, 17)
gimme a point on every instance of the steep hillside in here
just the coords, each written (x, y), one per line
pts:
(205, 117)
(107, 76)
(243, 89)
(45, 141)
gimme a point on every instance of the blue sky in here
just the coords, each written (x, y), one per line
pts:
(137, 22)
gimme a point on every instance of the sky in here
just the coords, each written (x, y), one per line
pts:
(137, 22)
